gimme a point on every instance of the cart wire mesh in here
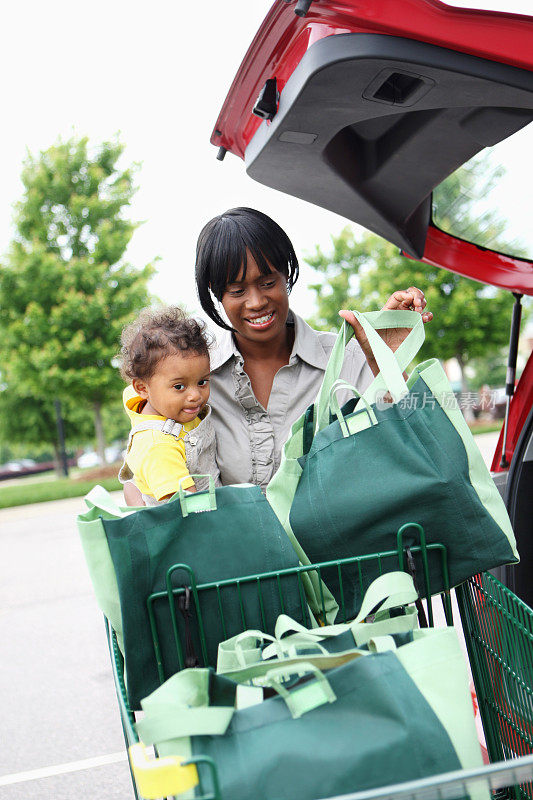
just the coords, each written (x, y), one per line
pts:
(498, 629)
(186, 600)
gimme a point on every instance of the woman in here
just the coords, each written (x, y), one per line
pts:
(268, 365)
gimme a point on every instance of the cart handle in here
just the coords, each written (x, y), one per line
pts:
(160, 777)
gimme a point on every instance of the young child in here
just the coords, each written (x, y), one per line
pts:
(165, 355)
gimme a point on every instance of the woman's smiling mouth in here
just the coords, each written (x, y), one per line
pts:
(261, 322)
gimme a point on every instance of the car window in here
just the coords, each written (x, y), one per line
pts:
(488, 200)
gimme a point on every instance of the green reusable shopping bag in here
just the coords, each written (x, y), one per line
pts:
(212, 536)
(357, 727)
(344, 487)
(361, 720)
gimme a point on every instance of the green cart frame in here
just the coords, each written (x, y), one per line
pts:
(498, 630)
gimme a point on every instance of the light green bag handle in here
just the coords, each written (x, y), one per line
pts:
(363, 633)
(381, 644)
(294, 647)
(168, 714)
(391, 364)
(336, 409)
(386, 626)
(404, 354)
(304, 698)
(180, 707)
(196, 502)
(239, 643)
(388, 591)
(173, 721)
(244, 650)
(99, 498)
(388, 362)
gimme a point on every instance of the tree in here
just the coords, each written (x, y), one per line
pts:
(491, 370)
(65, 289)
(470, 319)
(29, 420)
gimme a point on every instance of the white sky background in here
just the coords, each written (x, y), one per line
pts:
(158, 73)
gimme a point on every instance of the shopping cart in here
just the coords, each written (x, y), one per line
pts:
(498, 631)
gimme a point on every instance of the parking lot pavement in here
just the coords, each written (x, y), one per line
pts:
(487, 444)
(61, 734)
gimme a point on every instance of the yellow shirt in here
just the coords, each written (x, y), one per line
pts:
(156, 459)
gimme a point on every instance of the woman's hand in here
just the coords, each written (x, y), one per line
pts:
(412, 299)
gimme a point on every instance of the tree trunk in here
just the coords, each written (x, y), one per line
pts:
(467, 398)
(99, 431)
(58, 466)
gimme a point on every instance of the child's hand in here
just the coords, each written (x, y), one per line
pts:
(132, 495)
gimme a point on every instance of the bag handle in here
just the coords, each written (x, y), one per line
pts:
(391, 364)
(299, 644)
(363, 632)
(165, 719)
(241, 650)
(294, 646)
(100, 499)
(287, 625)
(381, 644)
(390, 590)
(180, 707)
(172, 721)
(241, 638)
(196, 502)
(336, 409)
(304, 698)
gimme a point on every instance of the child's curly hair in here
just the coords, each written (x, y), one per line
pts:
(156, 334)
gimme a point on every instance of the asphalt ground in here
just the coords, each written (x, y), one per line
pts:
(58, 702)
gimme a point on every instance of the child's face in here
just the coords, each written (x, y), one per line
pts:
(179, 387)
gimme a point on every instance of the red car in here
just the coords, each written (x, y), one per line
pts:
(365, 107)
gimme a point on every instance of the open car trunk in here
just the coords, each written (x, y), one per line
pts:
(364, 107)
(368, 125)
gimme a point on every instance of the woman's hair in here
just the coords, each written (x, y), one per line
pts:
(221, 252)
(156, 334)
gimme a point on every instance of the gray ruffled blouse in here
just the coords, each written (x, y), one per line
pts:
(249, 437)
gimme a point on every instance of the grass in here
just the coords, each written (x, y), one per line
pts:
(34, 491)
(486, 427)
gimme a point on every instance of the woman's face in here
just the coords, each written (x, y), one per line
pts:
(257, 305)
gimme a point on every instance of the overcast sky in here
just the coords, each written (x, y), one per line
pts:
(158, 73)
